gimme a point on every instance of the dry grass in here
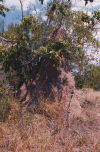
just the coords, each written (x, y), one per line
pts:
(43, 130)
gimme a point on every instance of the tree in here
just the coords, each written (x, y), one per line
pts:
(28, 43)
(2, 9)
(91, 77)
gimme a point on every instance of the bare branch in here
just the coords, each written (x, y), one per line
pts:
(35, 51)
(3, 39)
(9, 47)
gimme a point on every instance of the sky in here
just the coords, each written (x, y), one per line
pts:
(30, 5)
(34, 7)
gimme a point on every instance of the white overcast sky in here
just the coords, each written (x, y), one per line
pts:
(14, 15)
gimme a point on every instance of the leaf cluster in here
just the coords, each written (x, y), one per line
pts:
(2, 9)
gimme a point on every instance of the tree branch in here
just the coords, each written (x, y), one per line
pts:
(35, 51)
(3, 39)
(9, 47)
(21, 8)
(44, 32)
(29, 62)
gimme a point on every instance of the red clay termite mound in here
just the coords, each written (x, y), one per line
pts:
(53, 83)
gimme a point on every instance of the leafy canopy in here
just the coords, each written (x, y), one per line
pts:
(33, 39)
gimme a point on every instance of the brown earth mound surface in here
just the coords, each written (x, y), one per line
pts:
(53, 84)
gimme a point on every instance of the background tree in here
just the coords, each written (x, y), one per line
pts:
(90, 78)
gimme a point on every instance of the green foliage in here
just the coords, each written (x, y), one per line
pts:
(2, 8)
(79, 81)
(85, 17)
(91, 78)
(29, 34)
(15, 57)
(80, 29)
(96, 15)
(94, 73)
(12, 61)
(57, 48)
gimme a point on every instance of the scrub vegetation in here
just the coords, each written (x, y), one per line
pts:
(66, 34)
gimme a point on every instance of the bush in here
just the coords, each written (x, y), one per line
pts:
(79, 82)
